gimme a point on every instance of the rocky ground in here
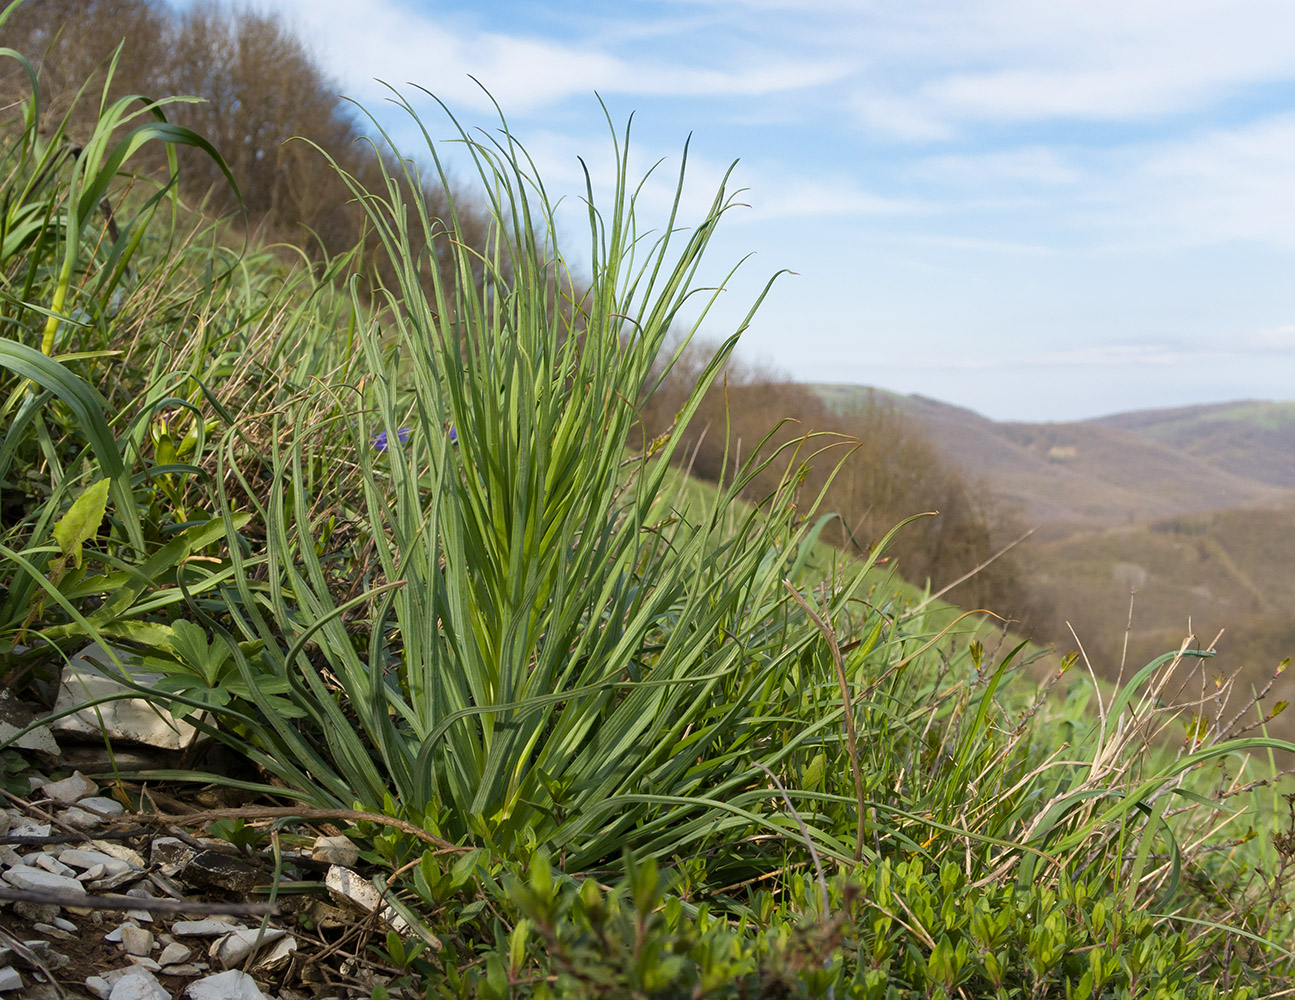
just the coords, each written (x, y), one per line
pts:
(117, 890)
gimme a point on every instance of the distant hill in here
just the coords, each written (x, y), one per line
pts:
(1251, 439)
(1184, 518)
(1117, 470)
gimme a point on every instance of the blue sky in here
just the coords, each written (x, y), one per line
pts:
(1042, 211)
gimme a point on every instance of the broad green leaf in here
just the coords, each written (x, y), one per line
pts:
(81, 523)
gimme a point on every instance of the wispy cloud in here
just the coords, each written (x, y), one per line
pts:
(526, 72)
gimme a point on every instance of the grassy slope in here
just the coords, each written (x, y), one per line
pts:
(887, 587)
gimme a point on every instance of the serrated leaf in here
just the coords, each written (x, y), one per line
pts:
(81, 523)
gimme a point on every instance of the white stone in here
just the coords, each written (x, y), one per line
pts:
(10, 979)
(187, 970)
(231, 985)
(88, 676)
(335, 851)
(70, 790)
(119, 851)
(210, 927)
(347, 887)
(39, 880)
(175, 954)
(40, 739)
(99, 986)
(109, 882)
(103, 804)
(278, 955)
(92, 874)
(81, 819)
(26, 828)
(138, 984)
(86, 860)
(136, 940)
(64, 924)
(235, 946)
(49, 930)
(144, 962)
(53, 864)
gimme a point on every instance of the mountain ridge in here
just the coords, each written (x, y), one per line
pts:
(1123, 468)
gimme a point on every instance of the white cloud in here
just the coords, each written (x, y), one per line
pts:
(385, 40)
(937, 68)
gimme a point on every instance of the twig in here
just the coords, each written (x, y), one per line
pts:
(291, 812)
(88, 902)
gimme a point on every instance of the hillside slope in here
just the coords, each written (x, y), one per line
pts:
(1255, 440)
(1115, 471)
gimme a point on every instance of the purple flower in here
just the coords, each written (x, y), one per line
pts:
(404, 433)
(380, 442)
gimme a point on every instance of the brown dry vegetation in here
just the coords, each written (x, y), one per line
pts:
(261, 88)
(889, 469)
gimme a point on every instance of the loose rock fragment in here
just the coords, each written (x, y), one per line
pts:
(49, 930)
(138, 984)
(134, 719)
(88, 860)
(212, 870)
(53, 864)
(174, 953)
(170, 851)
(335, 851)
(39, 880)
(99, 986)
(70, 790)
(210, 927)
(347, 887)
(136, 940)
(234, 947)
(10, 979)
(119, 851)
(278, 956)
(231, 985)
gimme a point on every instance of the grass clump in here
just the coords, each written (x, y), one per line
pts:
(410, 555)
